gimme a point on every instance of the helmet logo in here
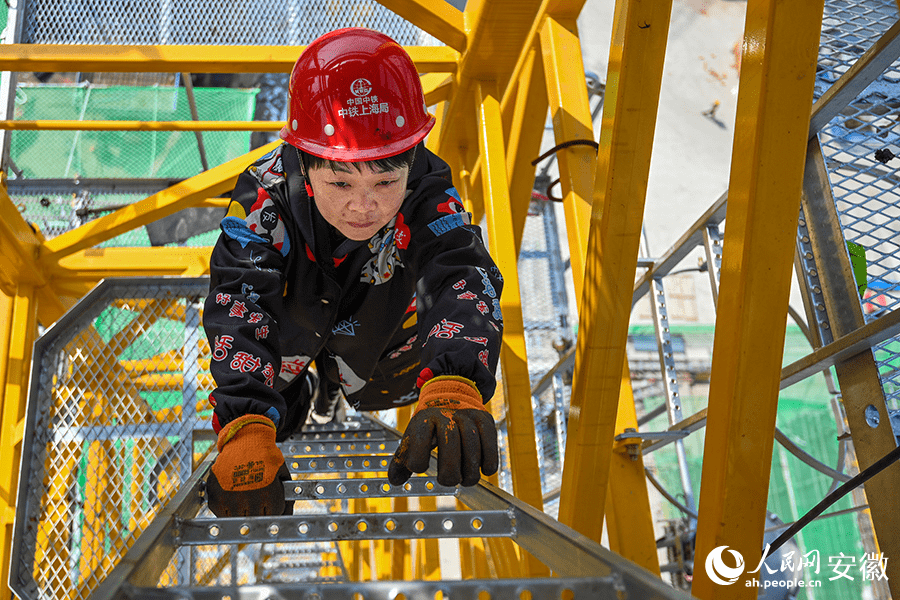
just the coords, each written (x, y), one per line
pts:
(361, 87)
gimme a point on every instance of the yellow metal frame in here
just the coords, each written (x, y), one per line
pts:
(505, 64)
(778, 66)
(623, 163)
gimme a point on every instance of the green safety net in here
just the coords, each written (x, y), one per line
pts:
(120, 154)
(126, 154)
(805, 416)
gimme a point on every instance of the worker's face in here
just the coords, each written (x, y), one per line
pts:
(358, 203)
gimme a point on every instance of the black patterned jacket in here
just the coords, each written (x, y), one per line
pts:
(421, 296)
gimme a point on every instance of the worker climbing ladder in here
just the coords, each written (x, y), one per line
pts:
(118, 445)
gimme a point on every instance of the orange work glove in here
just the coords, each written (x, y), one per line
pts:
(247, 477)
(450, 416)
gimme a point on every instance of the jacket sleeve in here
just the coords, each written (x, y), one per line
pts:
(458, 291)
(240, 316)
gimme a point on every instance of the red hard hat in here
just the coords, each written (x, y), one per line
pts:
(355, 95)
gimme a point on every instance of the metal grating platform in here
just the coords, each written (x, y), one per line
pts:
(864, 188)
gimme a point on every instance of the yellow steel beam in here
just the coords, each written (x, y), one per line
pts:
(626, 138)
(527, 111)
(566, 10)
(501, 34)
(19, 334)
(19, 245)
(629, 520)
(428, 550)
(778, 64)
(192, 59)
(401, 558)
(7, 316)
(571, 115)
(441, 19)
(53, 303)
(498, 31)
(628, 515)
(513, 359)
(95, 264)
(162, 204)
(498, 34)
(59, 125)
(436, 87)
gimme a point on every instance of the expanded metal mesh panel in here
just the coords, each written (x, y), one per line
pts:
(865, 190)
(254, 22)
(118, 414)
(54, 213)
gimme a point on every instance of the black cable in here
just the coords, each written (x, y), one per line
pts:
(701, 269)
(563, 146)
(873, 469)
(557, 148)
(549, 194)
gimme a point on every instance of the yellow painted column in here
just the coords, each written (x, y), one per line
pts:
(620, 186)
(572, 120)
(502, 552)
(18, 330)
(6, 503)
(781, 43)
(527, 111)
(629, 520)
(570, 111)
(513, 359)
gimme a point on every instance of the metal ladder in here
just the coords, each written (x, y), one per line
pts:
(283, 556)
(110, 502)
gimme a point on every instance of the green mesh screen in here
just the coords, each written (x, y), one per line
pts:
(806, 417)
(119, 154)
(126, 154)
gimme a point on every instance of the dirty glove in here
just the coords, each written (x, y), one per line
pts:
(246, 478)
(450, 416)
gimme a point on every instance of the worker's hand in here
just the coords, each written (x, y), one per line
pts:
(247, 477)
(450, 416)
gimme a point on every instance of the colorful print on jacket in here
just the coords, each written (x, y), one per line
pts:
(424, 287)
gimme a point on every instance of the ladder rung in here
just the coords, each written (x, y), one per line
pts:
(338, 435)
(297, 563)
(348, 448)
(356, 423)
(331, 489)
(336, 464)
(363, 526)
